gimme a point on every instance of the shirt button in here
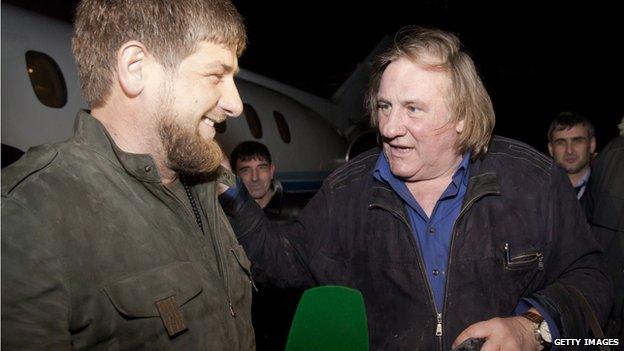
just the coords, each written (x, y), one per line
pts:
(436, 272)
(148, 169)
(432, 230)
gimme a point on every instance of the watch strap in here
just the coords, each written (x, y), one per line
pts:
(533, 317)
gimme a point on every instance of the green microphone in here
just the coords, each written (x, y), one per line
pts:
(329, 318)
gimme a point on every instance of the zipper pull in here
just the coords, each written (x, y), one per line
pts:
(507, 254)
(232, 309)
(540, 261)
(439, 325)
(253, 284)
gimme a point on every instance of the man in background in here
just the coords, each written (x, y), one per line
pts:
(571, 143)
(272, 308)
(252, 162)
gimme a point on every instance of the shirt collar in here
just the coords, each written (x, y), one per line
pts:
(584, 180)
(383, 173)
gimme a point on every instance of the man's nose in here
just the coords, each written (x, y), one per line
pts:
(254, 175)
(392, 126)
(230, 101)
(569, 148)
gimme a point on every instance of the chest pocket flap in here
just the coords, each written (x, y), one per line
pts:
(136, 295)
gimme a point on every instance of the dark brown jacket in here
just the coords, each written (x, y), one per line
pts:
(355, 232)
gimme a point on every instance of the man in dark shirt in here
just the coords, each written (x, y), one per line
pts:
(252, 162)
(571, 143)
(272, 308)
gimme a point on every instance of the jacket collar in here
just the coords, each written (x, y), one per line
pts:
(482, 182)
(91, 133)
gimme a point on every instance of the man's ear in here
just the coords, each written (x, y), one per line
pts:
(592, 145)
(272, 169)
(130, 67)
(550, 149)
(459, 127)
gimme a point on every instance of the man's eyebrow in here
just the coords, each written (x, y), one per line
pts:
(413, 102)
(402, 102)
(220, 65)
(381, 99)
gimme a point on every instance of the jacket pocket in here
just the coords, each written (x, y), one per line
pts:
(137, 295)
(523, 259)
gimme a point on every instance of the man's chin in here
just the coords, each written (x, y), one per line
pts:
(197, 159)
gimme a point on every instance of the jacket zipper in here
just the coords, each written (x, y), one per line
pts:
(438, 330)
(218, 251)
(251, 281)
(439, 325)
(221, 254)
(450, 258)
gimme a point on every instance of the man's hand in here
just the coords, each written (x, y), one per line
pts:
(221, 188)
(224, 179)
(503, 334)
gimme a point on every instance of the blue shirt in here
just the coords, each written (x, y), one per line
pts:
(432, 234)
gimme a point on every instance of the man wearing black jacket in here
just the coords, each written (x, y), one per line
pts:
(448, 232)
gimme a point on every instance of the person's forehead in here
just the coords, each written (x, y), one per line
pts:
(210, 55)
(577, 130)
(254, 161)
(405, 74)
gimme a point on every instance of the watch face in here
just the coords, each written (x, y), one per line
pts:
(545, 332)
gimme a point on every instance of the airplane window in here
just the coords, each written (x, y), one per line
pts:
(282, 126)
(253, 121)
(221, 127)
(10, 154)
(46, 79)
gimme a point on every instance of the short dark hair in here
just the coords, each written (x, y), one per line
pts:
(170, 29)
(248, 150)
(569, 119)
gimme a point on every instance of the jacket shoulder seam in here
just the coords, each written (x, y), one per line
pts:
(520, 151)
(26, 175)
(351, 172)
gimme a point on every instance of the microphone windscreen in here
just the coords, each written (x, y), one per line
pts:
(329, 318)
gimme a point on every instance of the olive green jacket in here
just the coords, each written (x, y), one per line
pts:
(98, 254)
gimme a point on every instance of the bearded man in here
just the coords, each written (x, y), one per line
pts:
(114, 239)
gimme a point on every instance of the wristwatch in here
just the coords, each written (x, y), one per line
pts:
(541, 330)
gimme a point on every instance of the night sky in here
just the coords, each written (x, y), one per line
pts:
(536, 59)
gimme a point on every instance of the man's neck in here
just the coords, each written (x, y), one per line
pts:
(132, 135)
(264, 201)
(576, 178)
(427, 192)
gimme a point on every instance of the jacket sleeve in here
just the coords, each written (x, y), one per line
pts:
(281, 253)
(35, 297)
(575, 262)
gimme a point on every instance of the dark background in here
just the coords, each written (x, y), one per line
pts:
(537, 58)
